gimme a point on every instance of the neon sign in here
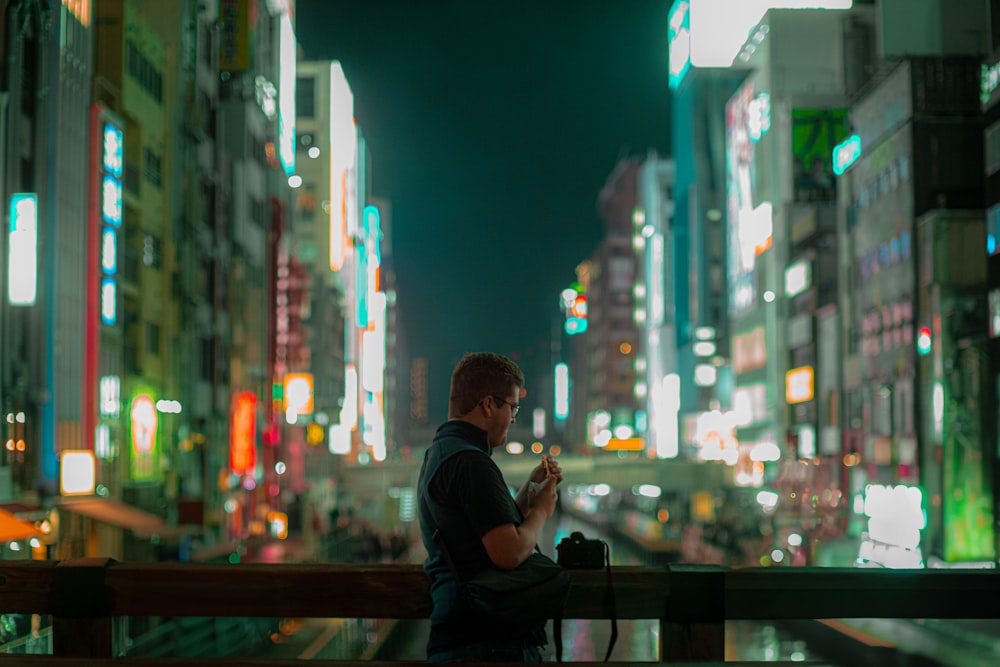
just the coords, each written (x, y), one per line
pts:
(22, 250)
(679, 35)
(846, 153)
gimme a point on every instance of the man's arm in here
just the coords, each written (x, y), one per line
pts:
(509, 545)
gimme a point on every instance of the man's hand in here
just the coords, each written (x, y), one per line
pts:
(544, 499)
(547, 468)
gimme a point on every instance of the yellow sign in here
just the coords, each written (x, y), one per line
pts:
(234, 41)
(626, 445)
(314, 433)
(799, 385)
(299, 393)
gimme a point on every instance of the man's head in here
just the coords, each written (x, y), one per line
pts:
(486, 390)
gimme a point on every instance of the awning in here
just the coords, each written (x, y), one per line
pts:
(13, 529)
(112, 512)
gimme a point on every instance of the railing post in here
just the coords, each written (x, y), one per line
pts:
(81, 605)
(693, 626)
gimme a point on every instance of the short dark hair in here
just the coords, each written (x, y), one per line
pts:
(481, 374)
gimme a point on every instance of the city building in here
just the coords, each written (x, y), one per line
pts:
(614, 416)
(990, 99)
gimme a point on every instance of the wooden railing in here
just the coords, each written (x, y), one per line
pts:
(691, 602)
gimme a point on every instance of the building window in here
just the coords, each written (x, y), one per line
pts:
(151, 166)
(305, 97)
(152, 338)
(207, 360)
(138, 66)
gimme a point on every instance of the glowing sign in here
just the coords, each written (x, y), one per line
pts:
(109, 251)
(243, 425)
(895, 515)
(286, 96)
(797, 277)
(111, 201)
(109, 301)
(76, 472)
(110, 396)
(799, 385)
(22, 250)
(343, 150)
(144, 422)
(113, 150)
(759, 116)
(561, 411)
(339, 439)
(846, 153)
(679, 36)
(298, 394)
(349, 411)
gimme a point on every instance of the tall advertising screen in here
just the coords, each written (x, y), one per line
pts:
(749, 221)
(286, 97)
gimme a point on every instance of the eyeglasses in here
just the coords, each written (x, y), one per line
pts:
(514, 407)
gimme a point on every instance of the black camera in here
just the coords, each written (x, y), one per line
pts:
(577, 552)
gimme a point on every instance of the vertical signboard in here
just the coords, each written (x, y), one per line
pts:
(234, 40)
(243, 433)
(22, 250)
(144, 422)
(286, 96)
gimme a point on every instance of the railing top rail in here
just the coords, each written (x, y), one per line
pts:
(91, 588)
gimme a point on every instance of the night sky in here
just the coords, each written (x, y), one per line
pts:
(492, 125)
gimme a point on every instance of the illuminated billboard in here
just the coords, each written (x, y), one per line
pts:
(799, 385)
(846, 153)
(561, 411)
(22, 250)
(286, 96)
(679, 38)
(144, 424)
(298, 395)
(243, 433)
(343, 149)
(717, 29)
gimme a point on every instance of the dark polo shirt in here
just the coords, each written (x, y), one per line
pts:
(461, 491)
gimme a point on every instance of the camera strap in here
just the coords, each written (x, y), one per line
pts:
(609, 604)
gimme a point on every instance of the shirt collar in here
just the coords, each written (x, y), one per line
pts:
(457, 428)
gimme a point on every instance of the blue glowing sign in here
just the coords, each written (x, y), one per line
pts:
(111, 201)
(576, 325)
(373, 229)
(845, 154)
(109, 301)
(22, 249)
(109, 251)
(679, 38)
(113, 150)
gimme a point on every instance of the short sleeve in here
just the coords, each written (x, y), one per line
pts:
(478, 488)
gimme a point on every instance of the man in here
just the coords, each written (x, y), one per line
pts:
(462, 495)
